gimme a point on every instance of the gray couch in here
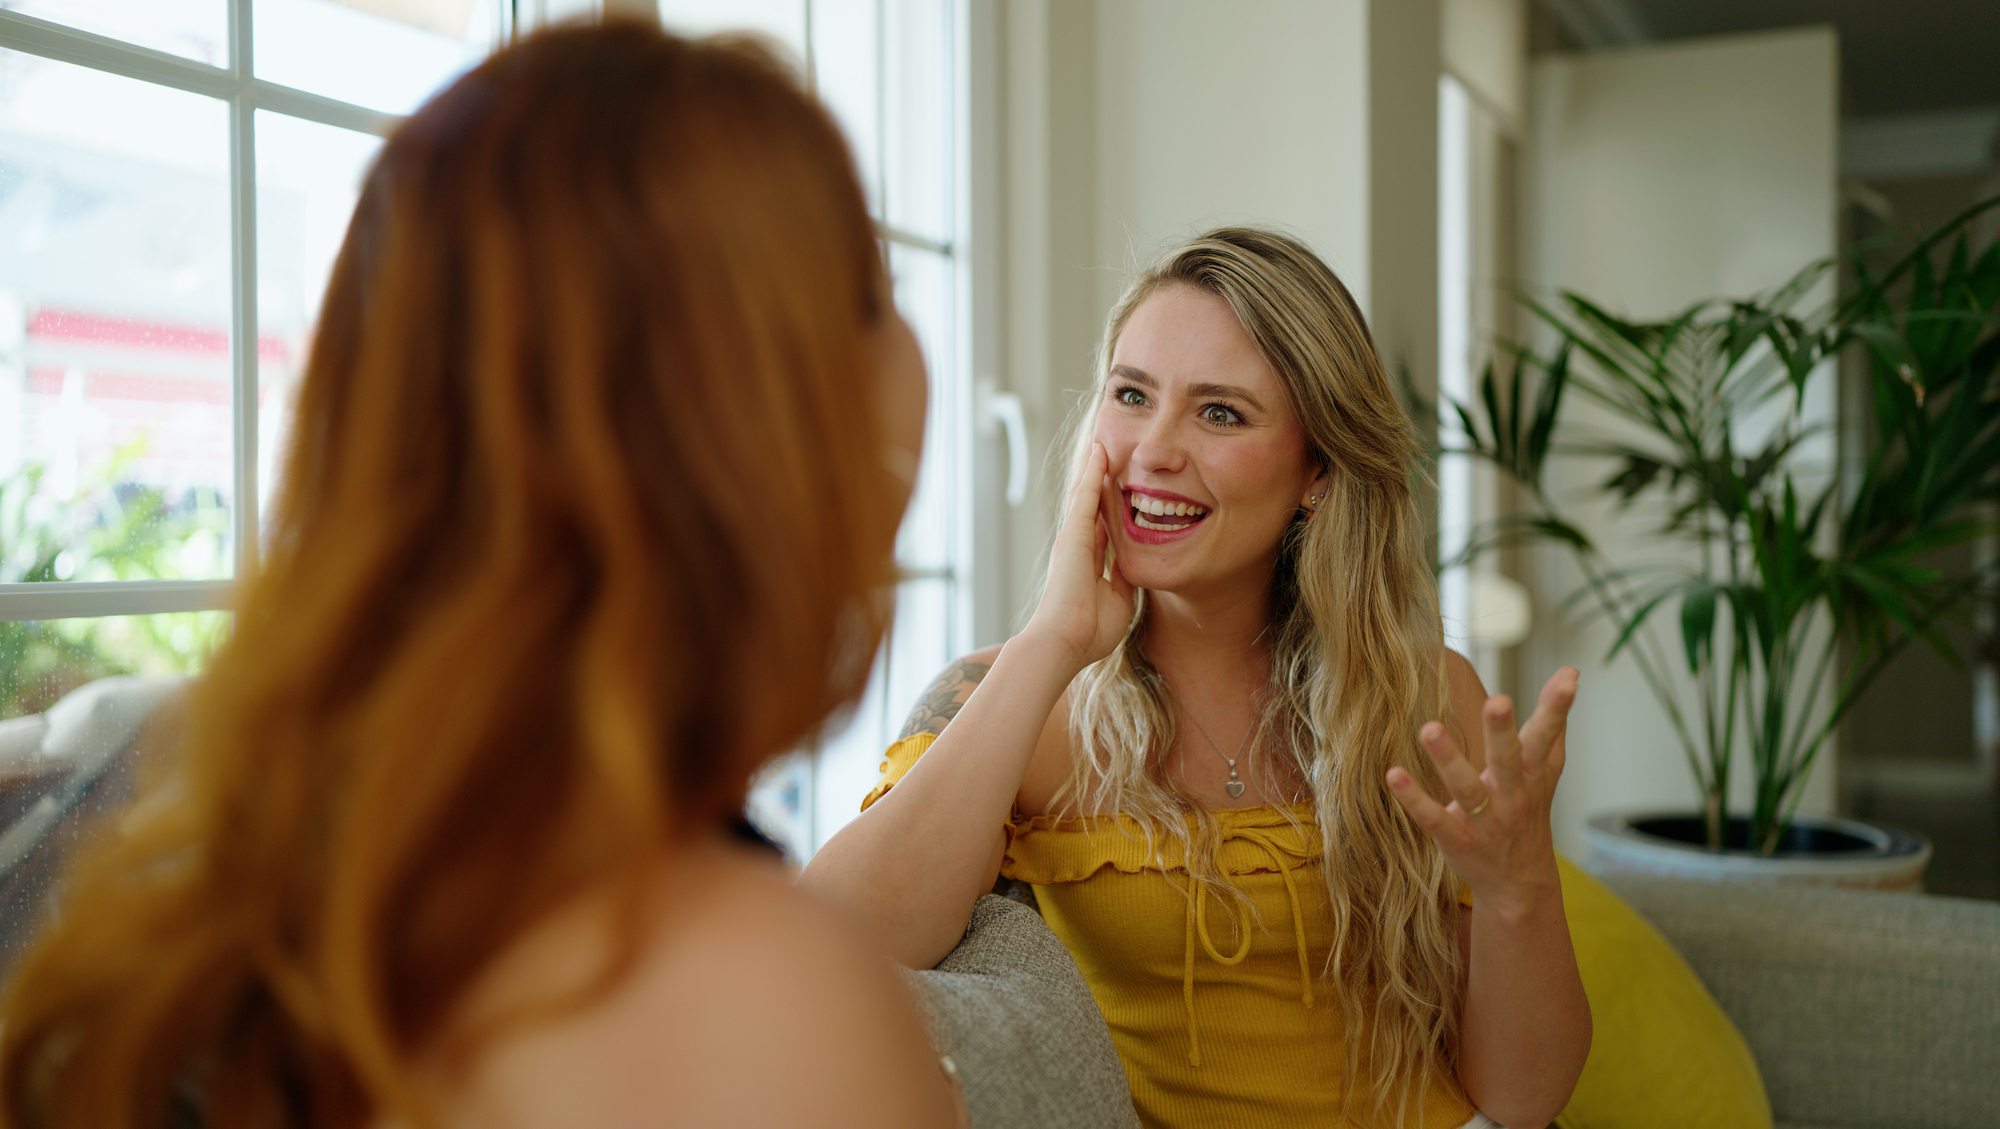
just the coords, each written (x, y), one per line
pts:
(1011, 1010)
(1864, 1010)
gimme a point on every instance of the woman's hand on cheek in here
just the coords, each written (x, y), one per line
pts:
(1494, 828)
(1085, 609)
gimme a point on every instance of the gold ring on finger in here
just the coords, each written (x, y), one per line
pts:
(1482, 805)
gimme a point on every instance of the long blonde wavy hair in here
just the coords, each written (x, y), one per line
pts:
(585, 517)
(1356, 662)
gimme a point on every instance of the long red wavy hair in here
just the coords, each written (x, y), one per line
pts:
(585, 517)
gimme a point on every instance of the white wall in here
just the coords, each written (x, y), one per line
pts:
(1668, 174)
(1485, 45)
(1661, 176)
(1129, 124)
(1220, 113)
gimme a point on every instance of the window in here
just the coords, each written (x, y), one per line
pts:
(175, 178)
(1486, 613)
(892, 72)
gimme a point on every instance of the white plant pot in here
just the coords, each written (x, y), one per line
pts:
(1818, 851)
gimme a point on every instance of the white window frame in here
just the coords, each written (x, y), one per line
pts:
(826, 780)
(237, 87)
(893, 689)
(244, 94)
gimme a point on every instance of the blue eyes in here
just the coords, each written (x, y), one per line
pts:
(1213, 414)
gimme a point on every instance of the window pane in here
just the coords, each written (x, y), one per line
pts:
(43, 660)
(924, 294)
(780, 804)
(919, 648)
(388, 55)
(928, 629)
(782, 20)
(61, 770)
(917, 101)
(850, 756)
(846, 38)
(192, 29)
(308, 176)
(115, 425)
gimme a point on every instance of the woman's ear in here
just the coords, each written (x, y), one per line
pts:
(1316, 491)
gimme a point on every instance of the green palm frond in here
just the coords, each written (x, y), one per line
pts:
(1775, 555)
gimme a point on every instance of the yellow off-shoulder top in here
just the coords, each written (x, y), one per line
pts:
(1219, 1012)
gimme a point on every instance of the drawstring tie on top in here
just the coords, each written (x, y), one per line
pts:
(1196, 916)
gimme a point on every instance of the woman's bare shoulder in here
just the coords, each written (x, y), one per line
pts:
(750, 1004)
(948, 693)
(939, 704)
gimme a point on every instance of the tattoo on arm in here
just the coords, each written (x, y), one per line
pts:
(943, 700)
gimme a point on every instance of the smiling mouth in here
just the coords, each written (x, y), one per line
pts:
(1162, 515)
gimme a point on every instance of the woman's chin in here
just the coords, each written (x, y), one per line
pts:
(1140, 565)
(1181, 570)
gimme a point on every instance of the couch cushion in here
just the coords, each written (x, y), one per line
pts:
(1010, 1008)
(1865, 1010)
(1662, 1053)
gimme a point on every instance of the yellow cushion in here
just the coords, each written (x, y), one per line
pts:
(1662, 1053)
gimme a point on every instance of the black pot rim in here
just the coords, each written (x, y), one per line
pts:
(1888, 841)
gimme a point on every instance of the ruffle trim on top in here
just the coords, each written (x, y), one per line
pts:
(1047, 849)
(897, 760)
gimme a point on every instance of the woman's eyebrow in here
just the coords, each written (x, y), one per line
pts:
(1139, 376)
(1229, 390)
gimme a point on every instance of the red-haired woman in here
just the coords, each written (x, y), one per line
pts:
(588, 514)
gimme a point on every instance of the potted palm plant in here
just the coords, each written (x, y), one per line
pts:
(1778, 567)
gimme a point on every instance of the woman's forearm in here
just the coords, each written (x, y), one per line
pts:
(910, 867)
(1525, 1029)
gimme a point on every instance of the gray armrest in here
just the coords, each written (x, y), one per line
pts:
(1010, 1008)
(1863, 1009)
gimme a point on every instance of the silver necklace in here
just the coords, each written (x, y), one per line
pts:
(1234, 787)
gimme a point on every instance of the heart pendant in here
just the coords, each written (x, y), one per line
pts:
(1234, 788)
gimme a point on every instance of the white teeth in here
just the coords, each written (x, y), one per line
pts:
(1141, 522)
(1163, 508)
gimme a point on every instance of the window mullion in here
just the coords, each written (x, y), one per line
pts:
(321, 109)
(88, 49)
(92, 599)
(893, 234)
(243, 276)
(881, 112)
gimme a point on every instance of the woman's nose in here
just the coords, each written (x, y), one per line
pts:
(1161, 448)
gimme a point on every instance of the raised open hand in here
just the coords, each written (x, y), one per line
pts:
(1084, 608)
(1494, 830)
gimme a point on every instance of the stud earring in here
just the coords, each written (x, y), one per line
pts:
(1312, 503)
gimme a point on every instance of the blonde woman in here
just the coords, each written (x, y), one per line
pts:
(1302, 859)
